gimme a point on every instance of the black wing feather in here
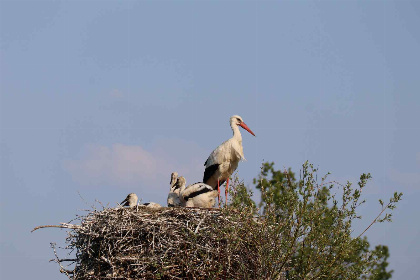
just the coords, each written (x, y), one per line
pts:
(209, 171)
(194, 194)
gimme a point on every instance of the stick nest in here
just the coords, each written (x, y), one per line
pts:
(166, 243)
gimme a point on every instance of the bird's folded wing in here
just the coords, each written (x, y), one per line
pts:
(220, 154)
(195, 189)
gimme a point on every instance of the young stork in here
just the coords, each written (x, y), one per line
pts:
(130, 200)
(196, 195)
(173, 196)
(152, 205)
(224, 160)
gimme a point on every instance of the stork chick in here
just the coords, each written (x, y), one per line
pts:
(130, 200)
(152, 205)
(224, 160)
(173, 196)
(196, 195)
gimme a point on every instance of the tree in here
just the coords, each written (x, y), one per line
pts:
(379, 271)
(306, 226)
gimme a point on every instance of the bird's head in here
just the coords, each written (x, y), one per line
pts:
(174, 176)
(180, 182)
(237, 120)
(132, 196)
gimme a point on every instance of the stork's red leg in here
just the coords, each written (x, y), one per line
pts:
(218, 190)
(226, 190)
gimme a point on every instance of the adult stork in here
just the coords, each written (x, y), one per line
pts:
(224, 160)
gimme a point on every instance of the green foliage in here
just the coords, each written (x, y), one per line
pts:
(379, 271)
(306, 226)
(277, 195)
(242, 197)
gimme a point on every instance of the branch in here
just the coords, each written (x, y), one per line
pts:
(62, 269)
(374, 220)
(63, 225)
(63, 260)
(196, 230)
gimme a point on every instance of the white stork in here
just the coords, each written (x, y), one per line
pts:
(196, 195)
(173, 196)
(224, 160)
(130, 200)
(152, 205)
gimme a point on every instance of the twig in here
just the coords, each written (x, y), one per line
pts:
(196, 230)
(63, 225)
(373, 221)
(62, 269)
(153, 242)
(63, 260)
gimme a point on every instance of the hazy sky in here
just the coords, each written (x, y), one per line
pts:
(104, 98)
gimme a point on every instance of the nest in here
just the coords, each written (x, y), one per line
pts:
(166, 243)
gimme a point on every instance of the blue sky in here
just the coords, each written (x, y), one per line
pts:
(104, 98)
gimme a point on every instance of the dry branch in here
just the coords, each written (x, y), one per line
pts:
(62, 225)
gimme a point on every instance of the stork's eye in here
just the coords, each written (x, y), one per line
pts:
(239, 120)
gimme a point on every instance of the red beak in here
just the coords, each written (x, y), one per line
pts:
(244, 126)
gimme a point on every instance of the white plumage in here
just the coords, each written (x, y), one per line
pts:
(152, 205)
(224, 160)
(196, 195)
(173, 196)
(130, 200)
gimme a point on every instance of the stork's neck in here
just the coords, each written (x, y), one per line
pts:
(236, 133)
(182, 188)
